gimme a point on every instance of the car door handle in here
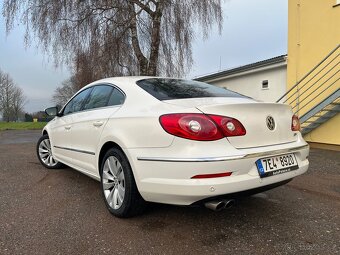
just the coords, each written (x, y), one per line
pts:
(67, 127)
(98, 123)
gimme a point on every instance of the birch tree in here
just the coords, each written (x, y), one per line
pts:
(118, 37)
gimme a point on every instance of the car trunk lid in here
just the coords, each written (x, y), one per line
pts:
(254, 117)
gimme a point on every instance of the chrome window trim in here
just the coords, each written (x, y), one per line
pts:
(224, 158)
(94, 109)
(91, 87)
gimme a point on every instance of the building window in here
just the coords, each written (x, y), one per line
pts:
(265, 84)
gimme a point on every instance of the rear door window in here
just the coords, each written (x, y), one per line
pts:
(116, 98)
(167, 89)
(99, 97)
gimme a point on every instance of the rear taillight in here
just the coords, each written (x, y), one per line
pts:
(295, 123)
(193, 126)
(229, 126)
(201, 127)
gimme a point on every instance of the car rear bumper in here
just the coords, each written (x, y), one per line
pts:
(224, 158)
(242, 194)
(168, 179)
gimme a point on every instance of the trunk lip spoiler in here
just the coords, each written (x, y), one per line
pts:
(225, 158)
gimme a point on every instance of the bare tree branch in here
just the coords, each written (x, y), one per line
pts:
(12, 98)
(138, 37)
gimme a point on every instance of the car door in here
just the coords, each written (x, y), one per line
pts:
(61, 127)
(103, 101)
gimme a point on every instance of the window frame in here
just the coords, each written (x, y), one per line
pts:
(267, 84)
(87, 98)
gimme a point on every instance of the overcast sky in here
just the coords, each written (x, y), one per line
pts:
(252, 31)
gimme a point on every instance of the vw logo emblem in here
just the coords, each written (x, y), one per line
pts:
(270, 122)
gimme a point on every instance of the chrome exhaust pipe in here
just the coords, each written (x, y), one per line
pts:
(215, 205)
(219, 205)
(229, 203)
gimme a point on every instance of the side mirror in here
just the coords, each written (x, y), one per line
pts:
(52, 111)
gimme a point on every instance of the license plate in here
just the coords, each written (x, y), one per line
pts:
(276, 165)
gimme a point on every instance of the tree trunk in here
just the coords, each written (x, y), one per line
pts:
(155, 40)
(142, 60)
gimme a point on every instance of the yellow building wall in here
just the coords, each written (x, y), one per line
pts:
(313, 31)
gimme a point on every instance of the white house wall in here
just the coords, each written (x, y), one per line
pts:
(250, 83)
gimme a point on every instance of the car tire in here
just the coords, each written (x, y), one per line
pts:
(44, 154)
(118, 185)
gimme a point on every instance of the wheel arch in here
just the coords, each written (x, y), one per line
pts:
(105, 147)
(110, 144)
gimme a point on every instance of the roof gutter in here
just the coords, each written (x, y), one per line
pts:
(281, 61)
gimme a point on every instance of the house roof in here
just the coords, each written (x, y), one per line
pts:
(240, 69)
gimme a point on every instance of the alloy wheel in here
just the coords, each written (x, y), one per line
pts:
(113, 182)
(45, 153)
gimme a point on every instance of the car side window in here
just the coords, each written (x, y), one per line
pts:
(99, 97)
(76, 104)
(116, 98)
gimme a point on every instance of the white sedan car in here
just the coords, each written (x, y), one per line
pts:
(173, 141)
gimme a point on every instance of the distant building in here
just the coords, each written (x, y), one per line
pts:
(264, 80)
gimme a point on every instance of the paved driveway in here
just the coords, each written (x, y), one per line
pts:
(18, 137)
(61, 212)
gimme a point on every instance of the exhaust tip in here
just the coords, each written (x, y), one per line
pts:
(219, 204)
(229, 203)
(215, 205)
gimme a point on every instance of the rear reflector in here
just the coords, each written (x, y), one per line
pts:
(203, 176)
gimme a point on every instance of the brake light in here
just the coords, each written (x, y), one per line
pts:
(193, 126)
(201, 127)
(229, 126)
(295, 123)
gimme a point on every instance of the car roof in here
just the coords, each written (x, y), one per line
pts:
(122, 82)
(128, 85)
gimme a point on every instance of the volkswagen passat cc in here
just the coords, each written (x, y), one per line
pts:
(173, 141)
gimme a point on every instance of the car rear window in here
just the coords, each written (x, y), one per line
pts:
(167, 89)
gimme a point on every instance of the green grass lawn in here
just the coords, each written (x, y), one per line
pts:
(21, 125)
